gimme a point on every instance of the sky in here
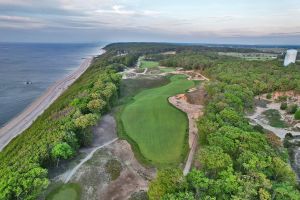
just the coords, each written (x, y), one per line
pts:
(195, 21)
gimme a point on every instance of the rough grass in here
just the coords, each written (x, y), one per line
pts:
(274, 118)
(148, 64)
(70, 191)
(158, 129)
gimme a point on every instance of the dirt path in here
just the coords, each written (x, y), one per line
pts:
(104, 134)
(193, 112)
(68, 175)
(257, 118)
(20, 123)
(192, 75)
(97, 183)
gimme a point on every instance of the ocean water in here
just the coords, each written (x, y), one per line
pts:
(39, 64)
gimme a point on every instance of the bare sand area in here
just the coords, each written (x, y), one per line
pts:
(98, 183)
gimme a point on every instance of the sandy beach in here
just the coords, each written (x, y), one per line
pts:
(21, 122)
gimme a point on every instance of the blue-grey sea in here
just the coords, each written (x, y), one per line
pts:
(38, 64)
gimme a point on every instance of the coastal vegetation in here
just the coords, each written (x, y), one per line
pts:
(235, 161)
(159, 129)
(59, 132)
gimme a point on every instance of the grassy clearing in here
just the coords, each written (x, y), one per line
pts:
(148, 64)
(169, 69)
(158, 129)
(66, 191)
(274, 118)
(251, 56)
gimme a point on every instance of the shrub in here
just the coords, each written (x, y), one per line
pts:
(114, 168)
(168, 180)
(269, 96)
(297, 114)
(291, 109)
(283, 106)
(282, 98)
(62, 151)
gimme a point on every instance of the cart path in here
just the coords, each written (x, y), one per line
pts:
(193, 112)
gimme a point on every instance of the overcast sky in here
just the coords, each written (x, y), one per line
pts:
(201, 21)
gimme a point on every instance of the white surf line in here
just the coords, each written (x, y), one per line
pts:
(24, 120)
(89, 156)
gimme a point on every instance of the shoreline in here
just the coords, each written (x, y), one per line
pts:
(24, 120)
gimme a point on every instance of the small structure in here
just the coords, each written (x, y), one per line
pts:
(290, 57)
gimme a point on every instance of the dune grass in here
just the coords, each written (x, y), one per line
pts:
(158, 128)
(148, 64)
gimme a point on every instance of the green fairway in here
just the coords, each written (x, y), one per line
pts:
(148, 64)
(66, 191)
(158, 128)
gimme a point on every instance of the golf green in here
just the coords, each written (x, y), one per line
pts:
(158, 128)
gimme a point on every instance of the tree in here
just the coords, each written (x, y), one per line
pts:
(283, 106)
(282, 171)
(167, 181)
(71, 139)
(297, 114)
(231, 117)
(283, 191)
(227, 184)
(199, 182)
(84, 121)
(292, 109)
(96, 105)
(227, 138)
(179, 196)
(264, 194)
(251, 162)
(62, 150)
(214, 160)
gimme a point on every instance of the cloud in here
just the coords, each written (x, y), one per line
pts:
(122, 10)
(20, 22)
(177, 19)
(117, 9)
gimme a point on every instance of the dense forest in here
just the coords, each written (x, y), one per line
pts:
(235, 160)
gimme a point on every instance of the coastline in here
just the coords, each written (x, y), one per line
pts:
(22, 121)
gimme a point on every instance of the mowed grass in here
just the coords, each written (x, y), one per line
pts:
(169, 69)
(148, 64)
(158, 128)
(66, 191)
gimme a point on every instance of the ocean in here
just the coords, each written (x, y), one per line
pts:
(27, 70)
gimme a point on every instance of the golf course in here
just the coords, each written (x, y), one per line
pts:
(158, 128)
